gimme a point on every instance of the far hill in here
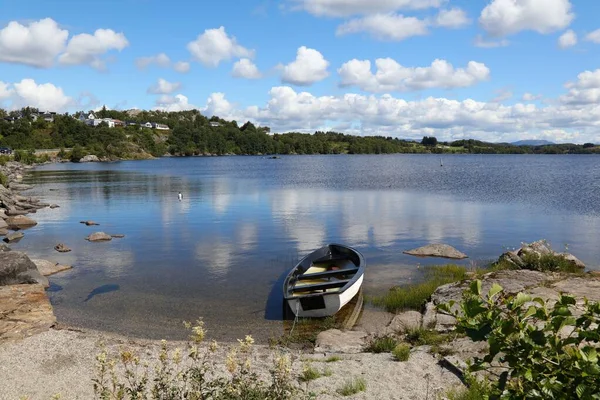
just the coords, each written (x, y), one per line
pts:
(532, 143)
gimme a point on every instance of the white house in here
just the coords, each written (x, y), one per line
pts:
(160, 127)
(147, 125)
(215, 123)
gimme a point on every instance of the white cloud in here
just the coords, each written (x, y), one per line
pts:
(160, 60)
(182, 67)
(507, 17)
(531, 97)
(245, 68)
(309, 67)
(214, 46)
(567, 39)
(452, 18)
(86, 49)
(345, 8)
(391, 76)
(593, 36)
(164, 87)
(36, 44)
(586, 90)
(386, 26)
(44, 96)
(502, 95)
(5, 91)
(489, 44)
(173, 103)
(218, 105)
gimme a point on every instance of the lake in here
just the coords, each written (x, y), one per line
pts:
(221, 252)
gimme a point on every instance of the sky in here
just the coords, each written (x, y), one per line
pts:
(493, 70)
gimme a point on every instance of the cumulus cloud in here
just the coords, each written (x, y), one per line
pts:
(215, 45)
(391, 26)
(567, 39)
(169, 103)
(531, 97)
(182, 67)
(593, 36)
(45, 96)
(218, 105)
(586, 90)
(161, 60)
(391, 76)
(86, 49)
(507, 17)
(309, 67)
(345, 8)
(164, 87)
(452, 18)
(245, 68)
(37, 43)
(480, 41)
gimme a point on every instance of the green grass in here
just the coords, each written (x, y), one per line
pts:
(3, 180)
(426, 337)
(327, 372)
(477, 390)
(309, 373)
(383, 344)
(353, 386)
(401, 352)
(333, 359)
(412, 297)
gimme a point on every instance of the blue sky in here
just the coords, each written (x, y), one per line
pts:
(505, 69)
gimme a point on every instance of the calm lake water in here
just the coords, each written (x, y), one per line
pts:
(244, 221)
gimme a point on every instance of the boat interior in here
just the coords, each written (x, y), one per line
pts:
(328, 274)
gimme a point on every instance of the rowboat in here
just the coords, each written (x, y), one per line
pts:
(324, 281)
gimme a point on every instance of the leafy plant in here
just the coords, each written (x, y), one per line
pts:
(309, 373)
(401, 352)
(383, 344)
(3, 180)
(545, 350)
(353, 386)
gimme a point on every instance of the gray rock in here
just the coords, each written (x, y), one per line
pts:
(4, 247)
(15, 212)
(99, 237)
(336, 341)
(20, 187)
(14, 237)
(3, 224)
(406, 321)
(16, 268)
(62, 248)
(444, 323)
(53, 206)
(430, 316)
(88, 223)
(580, 288)
(574, 260)
(48, 268)
(20, 222)
(117, 236)
(437, 250)
(3, 232)
(90, 158)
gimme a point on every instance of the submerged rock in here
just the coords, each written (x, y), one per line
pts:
(88, 223)
(4, 247)
(47, 268)
(117, 236)
(99, 237)
(16, 268)
(53, 206)
(61, 248)
(437, 250)
(20, 222)
(14, 237)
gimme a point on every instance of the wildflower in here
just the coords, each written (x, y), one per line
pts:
(213, 346)
(246, 344)
(177, 356)
(198, 332)
(231, 361)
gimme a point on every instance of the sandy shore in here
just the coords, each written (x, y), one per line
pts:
(63, 362)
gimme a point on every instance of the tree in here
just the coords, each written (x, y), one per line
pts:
(429, 141)
(588, 145)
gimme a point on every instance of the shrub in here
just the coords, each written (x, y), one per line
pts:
(401, 352)
(333, 359)
(77, 153)
(309, 373)
(413, 297)
(25, 156)
(425, 337)
(476, 390)
(353, 386)
(548, 262)
(547, 352)
(383, 344)
(3, 180)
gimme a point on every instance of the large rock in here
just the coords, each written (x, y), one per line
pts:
(406, 321)
(14, 237)
(4, 247)
(24, 311)
(62, 248)
(538, 249)
(47, 268)
(3, 224)
(99, 237)
(16, 268)
(437, 250)
(90, 158)
(336, 341)
(20, 222)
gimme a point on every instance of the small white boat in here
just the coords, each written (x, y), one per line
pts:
(324, 281)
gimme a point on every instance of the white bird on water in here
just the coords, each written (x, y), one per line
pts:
(179, 196)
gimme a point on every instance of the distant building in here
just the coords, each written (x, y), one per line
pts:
(215, 124)
(147, 125)
(160, 127)
(130, 123)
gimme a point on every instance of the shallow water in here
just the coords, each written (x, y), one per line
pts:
(221, 252)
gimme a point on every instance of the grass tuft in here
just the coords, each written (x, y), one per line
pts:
(353, 386)
(477, 390)
(401, 352)
(412, 297)
(333, 359)
(425, 337)
(383, 344)
(309, 373)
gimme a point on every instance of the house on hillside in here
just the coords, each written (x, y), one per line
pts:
(215, 124)
(130, 123)
(160, 127)
(147, 125)
(47, 116)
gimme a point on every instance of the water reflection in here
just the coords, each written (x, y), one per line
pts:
(242, 224)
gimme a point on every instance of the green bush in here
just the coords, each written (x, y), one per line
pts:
(549, 263)
(3, 180)
(383, 344)
(413, 297)
(353, 386)
(25, 156)
(547, 351)
(401, 352)
(77, 153)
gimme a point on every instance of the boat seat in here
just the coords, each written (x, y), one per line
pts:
(321, 286)
(327, 274)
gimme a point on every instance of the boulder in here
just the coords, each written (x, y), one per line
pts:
(15, 212)
(62, 248)
(539, 249)
(14, 237)
(406, 321)
(90, 158)
(53, 206)
(4, 247)
(3, 232)
(16, 268)
(20, 222)
(24, 311)
(336, 341)
(48, 268)
(99, 237)
(3, 224)
(117, 236)
(88, 223)
(437, 250)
